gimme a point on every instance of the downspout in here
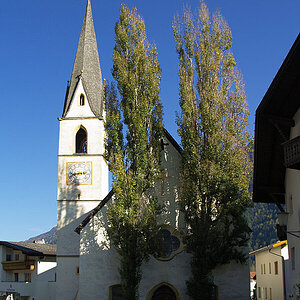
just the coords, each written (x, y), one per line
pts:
(283, 272)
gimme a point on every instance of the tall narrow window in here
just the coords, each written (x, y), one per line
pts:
(276, 267)
(81, 100)
(293, 258)
(27, 277)
(81, 141)
(259, 292)
(266, 293)
(290, 204)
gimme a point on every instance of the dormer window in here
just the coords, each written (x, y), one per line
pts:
(81, 100)
(81, 141)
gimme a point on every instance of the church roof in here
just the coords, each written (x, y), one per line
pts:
(87, 67)
(33, 249)
(94, 211)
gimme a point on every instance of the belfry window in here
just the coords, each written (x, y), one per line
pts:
(81, 100)
(81, 141)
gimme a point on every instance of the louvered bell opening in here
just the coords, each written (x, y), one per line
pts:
(291, 150)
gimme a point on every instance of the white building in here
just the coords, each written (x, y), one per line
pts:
(27, 271)
(87, 264)
(277, 155)
(272, 271)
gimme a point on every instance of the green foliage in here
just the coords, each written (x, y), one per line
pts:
(133, 160)
(262, 221)
(213, 129)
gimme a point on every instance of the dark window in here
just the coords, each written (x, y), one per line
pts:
(116, 292)
(81, 101)
(276, 267)
(16, 277)
(164, 292)
(27, 277)
(170, 243)
(8, 257)
(293, 257)
(81, 141)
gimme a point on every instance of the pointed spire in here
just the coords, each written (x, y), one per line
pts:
(87, 67)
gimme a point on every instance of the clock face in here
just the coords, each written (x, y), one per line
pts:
(79, 173)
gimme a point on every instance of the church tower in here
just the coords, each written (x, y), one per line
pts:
(82, 169)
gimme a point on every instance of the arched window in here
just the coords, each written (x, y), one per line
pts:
(164, 292)
(81, 100)
(81, 141)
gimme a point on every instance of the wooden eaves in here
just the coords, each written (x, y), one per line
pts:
(274, 119)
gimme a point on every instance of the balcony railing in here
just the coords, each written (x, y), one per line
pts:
(18, 265)
(291, 151)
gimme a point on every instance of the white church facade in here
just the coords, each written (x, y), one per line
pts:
(87, 264)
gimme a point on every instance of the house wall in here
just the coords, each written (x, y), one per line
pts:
(292, 179)
(42, 284)
(99, 262)
(2, 258)
(266, 278)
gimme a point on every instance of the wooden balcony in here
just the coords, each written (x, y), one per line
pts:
(291, 150)
(18, 265)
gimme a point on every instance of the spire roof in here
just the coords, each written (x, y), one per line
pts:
(87, 67)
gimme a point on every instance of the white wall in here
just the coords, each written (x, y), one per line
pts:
(292, 179)
(40, 286)
(270, 280)
(99, 262)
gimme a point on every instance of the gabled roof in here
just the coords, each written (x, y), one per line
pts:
(33, 249)
(111, 193)
(87, 67)
(253, 275)
(274, 118)
(269, 247)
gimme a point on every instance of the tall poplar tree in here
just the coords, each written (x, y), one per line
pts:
(134, 159)
(213, 129)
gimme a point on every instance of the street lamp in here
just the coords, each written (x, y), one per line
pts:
(282, 226)
(282, 218)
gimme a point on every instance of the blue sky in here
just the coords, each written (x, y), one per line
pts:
(38, 46)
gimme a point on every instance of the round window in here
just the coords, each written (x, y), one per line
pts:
(170, 243)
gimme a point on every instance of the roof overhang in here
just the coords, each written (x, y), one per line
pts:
(273, 120)
(28, 248)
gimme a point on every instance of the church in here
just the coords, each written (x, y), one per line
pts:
(87, 264)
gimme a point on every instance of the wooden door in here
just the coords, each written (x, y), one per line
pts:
(164, 293)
